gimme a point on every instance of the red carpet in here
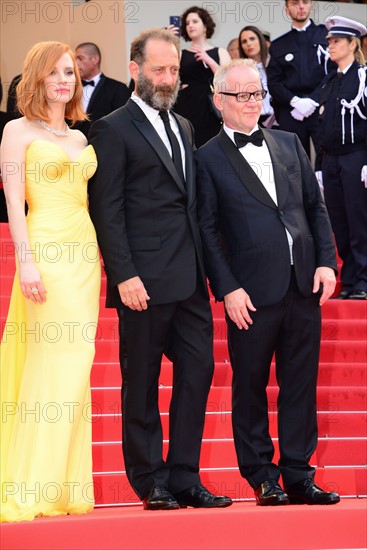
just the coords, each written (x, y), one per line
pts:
(340, 457)
(242, 526)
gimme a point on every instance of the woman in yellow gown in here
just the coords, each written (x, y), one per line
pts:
(47, 347)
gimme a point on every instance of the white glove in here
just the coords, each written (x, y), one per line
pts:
(318, 175)
(364, 175)
(297, 115)
(305, 105)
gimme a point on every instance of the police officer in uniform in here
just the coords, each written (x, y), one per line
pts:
(343, 142)
(298, 63)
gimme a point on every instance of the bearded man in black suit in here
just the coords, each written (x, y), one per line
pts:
(269, 254)
(101, 94)
(143, 205)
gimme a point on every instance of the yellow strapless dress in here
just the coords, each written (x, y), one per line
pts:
(47, 350)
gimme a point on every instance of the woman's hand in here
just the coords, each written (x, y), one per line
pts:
(201, 55)
(31, 283)
(174, 30)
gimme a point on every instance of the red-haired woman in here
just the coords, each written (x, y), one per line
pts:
(48, 341)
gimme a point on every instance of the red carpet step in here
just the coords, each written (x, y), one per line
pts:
(243, 526)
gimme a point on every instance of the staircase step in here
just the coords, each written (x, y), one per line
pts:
(218, 425)
(332, 309)
(114, 488)
(332, 399)
(330, 374)
(242, 526)
(352, 351)
(220, 453)
(332, 329)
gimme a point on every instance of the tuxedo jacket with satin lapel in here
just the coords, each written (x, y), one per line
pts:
(244, 240)
(108, 95)
(145, 217)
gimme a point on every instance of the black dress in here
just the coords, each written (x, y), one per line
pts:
(193, 102)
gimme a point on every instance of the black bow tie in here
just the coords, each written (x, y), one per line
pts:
(243, 139)
(88, 82)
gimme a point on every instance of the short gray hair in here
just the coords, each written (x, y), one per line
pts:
(221, 73)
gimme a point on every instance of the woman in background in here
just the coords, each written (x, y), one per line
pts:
(198, 65)
(48, 348)
(343, 142)
(253, 45)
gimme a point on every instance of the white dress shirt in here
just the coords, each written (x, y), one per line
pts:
(156, 121)
(260, 161)
(88, 91)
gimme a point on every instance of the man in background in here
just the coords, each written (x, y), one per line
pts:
(101, 94)
(298, 63)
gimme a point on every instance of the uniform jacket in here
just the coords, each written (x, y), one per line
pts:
(298, 64)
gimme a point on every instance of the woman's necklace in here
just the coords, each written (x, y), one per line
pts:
(60, 133)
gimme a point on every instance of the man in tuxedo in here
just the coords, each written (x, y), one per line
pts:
(298, 63)
(101, 94)
(143, 205)
(269, 254)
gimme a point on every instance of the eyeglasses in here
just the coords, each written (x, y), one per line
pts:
(242, 97)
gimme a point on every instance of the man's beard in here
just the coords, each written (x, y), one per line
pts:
(160, 97)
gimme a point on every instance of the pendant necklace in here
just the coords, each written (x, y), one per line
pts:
(60, 133)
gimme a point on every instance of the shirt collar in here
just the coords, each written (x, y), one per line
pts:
(346, 69)
(304, 28)
(96, 78)
(151, 114)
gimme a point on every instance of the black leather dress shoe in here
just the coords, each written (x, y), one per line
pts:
(358, 295)
(343, 295)
(270, 493)
(159, 498)
(307, 492)
(199, 497)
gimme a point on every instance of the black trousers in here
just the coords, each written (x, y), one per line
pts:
(291, 329)
(183, 331)
(346, 201)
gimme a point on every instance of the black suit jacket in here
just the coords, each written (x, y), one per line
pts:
(145, 218)
(244, 240)
(109, 95)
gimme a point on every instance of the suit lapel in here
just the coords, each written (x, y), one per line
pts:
(279, 168)
(189, 175)
(244, 171)
(147, 130)
(96, 92)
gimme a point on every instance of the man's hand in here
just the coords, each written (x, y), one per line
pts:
(133, 294)
(297, 115)
(304, 105)
(326, 276)
(237, 304)
(364, 175)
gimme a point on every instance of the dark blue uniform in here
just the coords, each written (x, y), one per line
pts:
(343, 143)
(298, 63)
